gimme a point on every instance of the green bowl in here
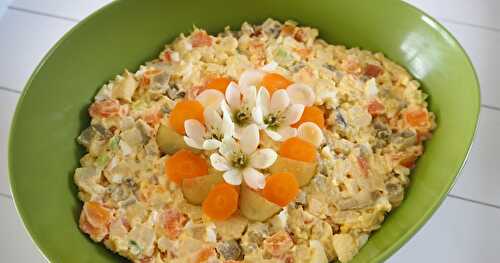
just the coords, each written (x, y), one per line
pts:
(53, 107)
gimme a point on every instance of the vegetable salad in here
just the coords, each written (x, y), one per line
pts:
(265, 144)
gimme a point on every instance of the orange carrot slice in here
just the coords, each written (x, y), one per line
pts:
(281, 188)
(219, 84)
(273, 82)
(221, 202)
(298, 149)
(185, 110)
(312, 114)
(185, 164)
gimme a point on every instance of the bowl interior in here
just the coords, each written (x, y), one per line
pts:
(53, 108)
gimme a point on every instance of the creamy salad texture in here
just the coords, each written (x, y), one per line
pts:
(265, 144)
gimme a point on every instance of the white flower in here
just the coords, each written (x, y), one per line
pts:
(310, 132)
(240, 100)
(301, 94)
(210, 98)
(208, 137)
(240, 160)
(275, 114)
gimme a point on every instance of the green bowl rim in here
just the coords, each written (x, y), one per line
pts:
(382, 257)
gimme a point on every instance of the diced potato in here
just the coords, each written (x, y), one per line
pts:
(303, 171)
(169, 141)
(255, 207)
(124, 88)
(318, 252)
(345, 246)
(196, 189)
(231, 228)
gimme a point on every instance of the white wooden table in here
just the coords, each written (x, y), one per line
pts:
(464, 229)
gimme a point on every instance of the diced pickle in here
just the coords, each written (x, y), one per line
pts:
(254, 206)
(303, 171)
(169, 141)
(196, 189)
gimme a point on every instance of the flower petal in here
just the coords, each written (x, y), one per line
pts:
(263, 158)
(219, 162)
(228, 147)
(227, 125)
(238, 130)
(212, 118)
(210, 98)
(279, 101)
(273, 135)
(233, 96)
(301, 94)
(232, 177)
(195, 130)
(270, 66)
(253, 178)
(263, 101)
(249, 139)
(211, 144)
(310, 132)
(287, 132)
(258, 117)
(249, 95)
(292, 114)
(192, 143)
(251, 78)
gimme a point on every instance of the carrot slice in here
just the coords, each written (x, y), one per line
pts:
(185, 164)
(185, 110)
(281, 188)
(417, 118)
(273, 82)
(312, 114)
(221, 202)
(298, 149)
(219, 84)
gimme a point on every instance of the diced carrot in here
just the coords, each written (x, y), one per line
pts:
(298, 149)
(173, 221)
(219, 84)
(97, 215)
(167, 56)
(205, 254)
(417, 118)
(375, 107)
(281, 188)
(300, 35)
(363, 165)
(201, 39)
(273, 82)
(278, 244)
(373, 71)
(312, 114)
(221, 202)
(185, 164)
(409, 162)
(183, 111)
(105, 108)
(287, 30)
(154, 117)
(96, 233)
